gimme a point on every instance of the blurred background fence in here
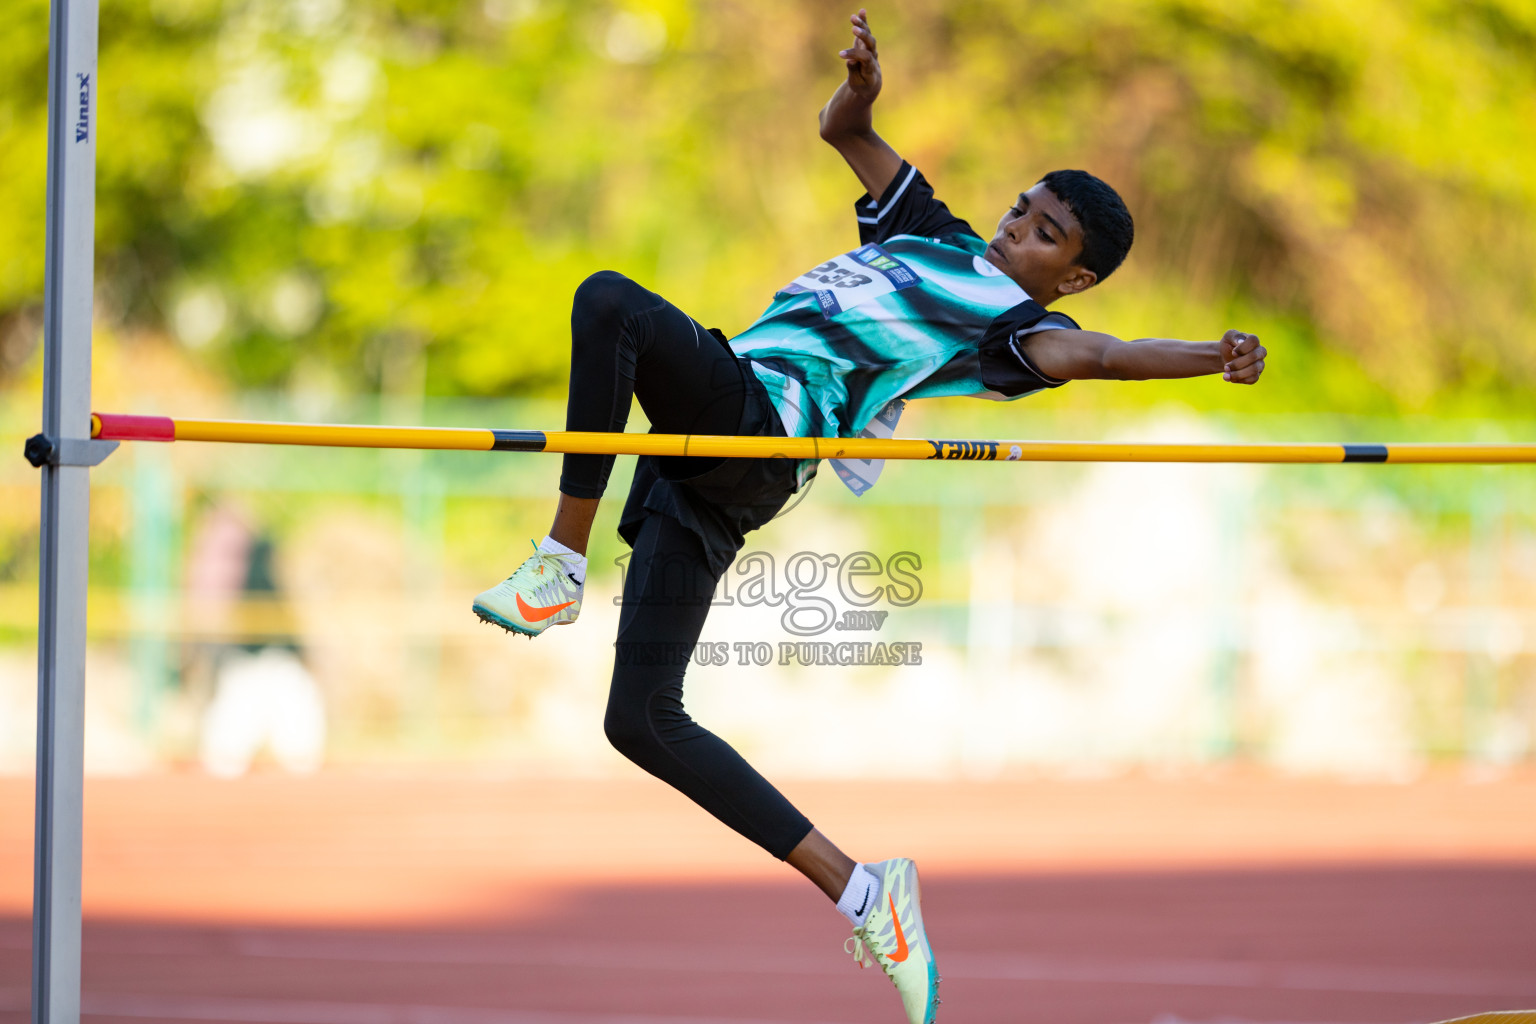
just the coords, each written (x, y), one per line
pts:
(280, 605)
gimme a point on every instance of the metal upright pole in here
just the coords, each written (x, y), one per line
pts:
(65, 455)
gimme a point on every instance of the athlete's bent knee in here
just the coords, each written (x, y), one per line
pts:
(629, 732)
(606, 296)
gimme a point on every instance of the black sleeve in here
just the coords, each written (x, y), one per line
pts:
(1005, 367)
(907, 208)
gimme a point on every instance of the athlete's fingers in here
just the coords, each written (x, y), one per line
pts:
(862, 31)
(1233, 342)
(1248, 375)
(860, 59)
(1248, 358)
(863, 35)
(1236, 345)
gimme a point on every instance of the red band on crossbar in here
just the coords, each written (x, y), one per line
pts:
(122, 427)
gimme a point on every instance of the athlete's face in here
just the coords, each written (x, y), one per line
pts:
(1037, 244)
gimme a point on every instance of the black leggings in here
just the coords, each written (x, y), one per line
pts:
(626, 340)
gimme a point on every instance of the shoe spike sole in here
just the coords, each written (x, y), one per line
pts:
(497, 620)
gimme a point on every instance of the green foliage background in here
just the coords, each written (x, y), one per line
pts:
(378, 210)
(400, 195)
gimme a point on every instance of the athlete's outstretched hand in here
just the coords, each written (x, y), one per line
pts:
(863, 60)
(1242, 357)
(847, 121)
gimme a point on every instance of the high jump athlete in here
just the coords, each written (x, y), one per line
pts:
(924, 307)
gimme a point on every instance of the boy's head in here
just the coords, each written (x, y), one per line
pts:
(1067, 233)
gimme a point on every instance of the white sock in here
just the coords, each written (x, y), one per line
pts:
(574, 558)
(859, 896)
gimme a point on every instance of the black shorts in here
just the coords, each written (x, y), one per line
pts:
(728, 500)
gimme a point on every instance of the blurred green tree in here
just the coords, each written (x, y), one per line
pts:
(400, 195)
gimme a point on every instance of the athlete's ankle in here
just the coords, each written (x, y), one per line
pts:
(573, 522)
(859, 895)
(567, 541)
(576, 560)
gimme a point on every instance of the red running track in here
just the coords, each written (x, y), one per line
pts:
(349, 900)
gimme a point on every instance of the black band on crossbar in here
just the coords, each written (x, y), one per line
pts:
(518, 441)
(1365, 453)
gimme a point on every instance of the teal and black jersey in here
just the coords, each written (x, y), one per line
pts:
(915, 312)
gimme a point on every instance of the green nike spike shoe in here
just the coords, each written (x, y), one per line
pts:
(541, 593)
(894, 938)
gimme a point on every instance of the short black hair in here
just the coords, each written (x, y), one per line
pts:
(1106, 223)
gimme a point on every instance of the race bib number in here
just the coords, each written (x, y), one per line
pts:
(853, 278)
(859, 475)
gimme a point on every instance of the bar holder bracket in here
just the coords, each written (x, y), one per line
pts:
(42, 450)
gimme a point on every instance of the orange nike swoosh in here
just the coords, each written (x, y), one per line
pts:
(901, 939)
(533, 614)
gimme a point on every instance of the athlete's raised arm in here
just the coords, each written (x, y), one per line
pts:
(847, 121)
(1089, 355)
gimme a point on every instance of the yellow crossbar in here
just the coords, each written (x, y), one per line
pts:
(111, 426)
